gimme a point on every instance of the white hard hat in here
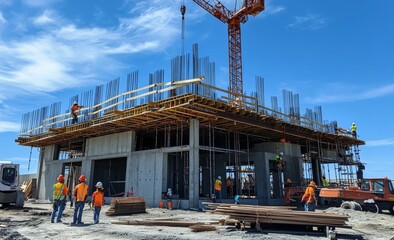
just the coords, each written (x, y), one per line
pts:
(219, 177)
(281, 153)
(75, 102)
(353, 124)
(99, 185)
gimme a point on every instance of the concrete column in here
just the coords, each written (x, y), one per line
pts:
(194, 160)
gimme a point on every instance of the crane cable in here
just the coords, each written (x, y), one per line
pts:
(183, 11)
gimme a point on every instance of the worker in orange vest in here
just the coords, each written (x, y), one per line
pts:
(75, 111)
(59, 199)
(218, 188)
(98, 202)
(309, 197)
(80, 193)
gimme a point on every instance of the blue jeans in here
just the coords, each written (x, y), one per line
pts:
(58, 207)
(78, 209)
(96, 215)
(218, 195)
(310, 207)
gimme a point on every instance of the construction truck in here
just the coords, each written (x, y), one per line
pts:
(9, 185)
(373, 194)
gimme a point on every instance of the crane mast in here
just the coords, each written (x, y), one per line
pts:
(233, 20)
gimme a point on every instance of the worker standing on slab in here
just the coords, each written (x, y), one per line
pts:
(75, 111)
(80, 193)
(218, 188)
(324, 181)
(230, 186)
(354, 130)
(309, 197)
(59, 199)
(97, 201)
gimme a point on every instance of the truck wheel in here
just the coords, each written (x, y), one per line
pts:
(392, 209)
(348, 205)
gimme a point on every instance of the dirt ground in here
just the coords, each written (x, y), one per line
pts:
(32, 222)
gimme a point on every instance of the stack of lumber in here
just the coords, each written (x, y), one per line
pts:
(281, 215)
(26, 188)
(126, 206)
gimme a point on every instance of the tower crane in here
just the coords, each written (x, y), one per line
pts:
(234, 20)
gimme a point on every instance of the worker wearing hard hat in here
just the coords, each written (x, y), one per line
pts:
(97, 201)
(324, 181)
(80, 193)
(59, 199)
(354, 130)
(218, 188)
(309, 197)
(75, 111)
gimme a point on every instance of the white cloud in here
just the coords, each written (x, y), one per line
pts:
(66, 55)
(340, 93)
(309, 22)
(9, 126)
(44, 19)
(380, 142)
(2, 19)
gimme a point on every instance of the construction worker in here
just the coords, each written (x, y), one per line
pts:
(218, 188)
(59, 199)
(279, 161)
(229, 187)
(354, 130)
(97, 201)
(324, 181)
(80, 193)
(309, 197)
(75, 111)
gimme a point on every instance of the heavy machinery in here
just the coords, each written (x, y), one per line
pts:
(9, 185)
(373, 194)
(234, 20)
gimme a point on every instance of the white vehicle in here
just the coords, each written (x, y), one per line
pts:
(9, 185)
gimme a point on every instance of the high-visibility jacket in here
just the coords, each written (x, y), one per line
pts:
(309, 194)
(98, 198)
(324, 182)
(74, 109)
(354, 128)
(218, 185)
(59, 191)
(80, 192)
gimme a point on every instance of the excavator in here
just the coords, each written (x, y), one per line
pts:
(372, 194)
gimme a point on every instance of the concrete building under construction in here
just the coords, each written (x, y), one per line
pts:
(182, 134)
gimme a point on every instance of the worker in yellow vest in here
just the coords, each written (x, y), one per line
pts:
(354, 130)
(80, 193)
(218, 188)
(324, 181)
(59, 199)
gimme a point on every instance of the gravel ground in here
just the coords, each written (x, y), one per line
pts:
(33, 222)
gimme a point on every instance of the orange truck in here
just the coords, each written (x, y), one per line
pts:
(373, 194)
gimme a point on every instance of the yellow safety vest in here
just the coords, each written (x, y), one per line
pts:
(58, 191)
(218, 185)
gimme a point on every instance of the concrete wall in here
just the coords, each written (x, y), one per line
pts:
(110, 144)
(145, 175)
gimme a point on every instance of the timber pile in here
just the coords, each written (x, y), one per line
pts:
(26, 188)
(281, 215)
(126, 206)
(175, 222)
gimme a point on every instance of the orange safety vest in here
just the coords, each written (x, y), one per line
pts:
(80, 192)
(309, 194)
(98, 198)
(218, 185)
(59, 191)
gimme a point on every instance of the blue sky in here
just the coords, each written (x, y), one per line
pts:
(337, 54)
